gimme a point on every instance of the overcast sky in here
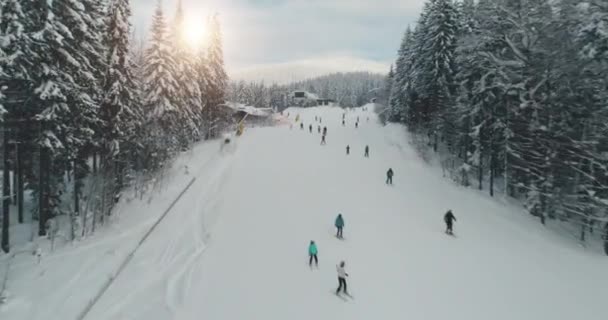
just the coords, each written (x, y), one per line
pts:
(283, 40)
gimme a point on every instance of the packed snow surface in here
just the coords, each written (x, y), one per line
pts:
(235, 246)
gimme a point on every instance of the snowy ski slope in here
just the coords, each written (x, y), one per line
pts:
(235, 246)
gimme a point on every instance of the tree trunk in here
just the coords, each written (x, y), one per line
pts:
(19, 183)
(76, 212)
(6, 192)
(480, 171)
(94, 162)
(42, 192)
(14, 186)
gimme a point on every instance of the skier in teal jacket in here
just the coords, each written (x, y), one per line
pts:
(339, 226)
(312, 252)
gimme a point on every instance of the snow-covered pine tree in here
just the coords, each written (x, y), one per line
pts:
(202, 78)
(398, 100)
(190, 97)
(217, 79)
(64, 81)
(438, 68)
(119, 121)
(161, 92)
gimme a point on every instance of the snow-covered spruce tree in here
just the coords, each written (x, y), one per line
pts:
(397, 99)
(437, 69)
(190, 97)
(217, 80)
(118, 119)
(161, 94)
(17, 63)
(202, 78)
(386, 92)
(63, 93)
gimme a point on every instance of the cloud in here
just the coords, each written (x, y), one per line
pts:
(286, 72)
(273, 32)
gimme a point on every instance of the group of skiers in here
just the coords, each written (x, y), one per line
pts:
(340, 268)
(365, 154)
(313, 251)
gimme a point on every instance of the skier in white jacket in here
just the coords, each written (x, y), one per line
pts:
(341, 278)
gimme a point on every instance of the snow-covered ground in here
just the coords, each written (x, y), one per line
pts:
(235, 245)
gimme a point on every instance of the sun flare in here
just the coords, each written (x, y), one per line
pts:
(194, 32)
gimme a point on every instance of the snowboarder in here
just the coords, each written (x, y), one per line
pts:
(449, 219)
(389, 176)
(312, 252)
(302, 125)
(323, 140)
(347, 149)
(366, 152)
(341, 278)
(339, 226)
(310, 128)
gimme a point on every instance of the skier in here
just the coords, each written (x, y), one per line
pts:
(310, 128)
(339, 226)
(302, 125)
(312, 252)
(319, 129)
(449, 219)
(323, 140)
(324, 130)
(366, 152)
(320, 120)
(347, 149)
(341, 278)
(389, 176)
(356, 125)
(343, 123)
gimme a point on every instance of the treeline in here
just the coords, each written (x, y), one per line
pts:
(349, 89)
(86, 112)
(515, 93)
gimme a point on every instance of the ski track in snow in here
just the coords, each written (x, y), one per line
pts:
(234, 247)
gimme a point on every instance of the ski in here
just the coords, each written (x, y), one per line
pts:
(339, 296)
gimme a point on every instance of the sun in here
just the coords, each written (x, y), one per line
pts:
(194, 32)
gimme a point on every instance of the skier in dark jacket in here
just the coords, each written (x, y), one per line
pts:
(343, 123)
(339, 226)
(310, 128)
(389, 176)
(302, 125)
(324, 130)
(449, 219)
(347, 149)
(323, 140)
(319, 129)
(312, 252)
(356, 125)
(366, 152)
